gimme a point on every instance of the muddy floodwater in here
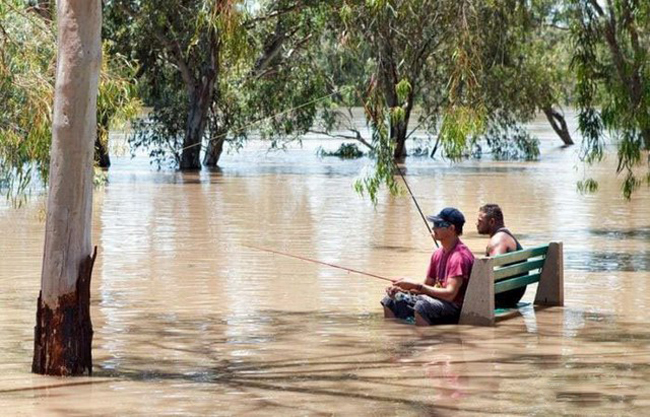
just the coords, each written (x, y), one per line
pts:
(189, 320)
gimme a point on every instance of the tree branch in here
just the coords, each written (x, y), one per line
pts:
(595, 5)
(356, 137)
(276, 13)
(173, 48)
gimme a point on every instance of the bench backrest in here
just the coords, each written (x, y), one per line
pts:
(490, 276)
(518, 269)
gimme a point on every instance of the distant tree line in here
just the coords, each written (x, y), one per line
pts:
(465, 74)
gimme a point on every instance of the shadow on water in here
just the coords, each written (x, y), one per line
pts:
(345, 359)
(430, 170)
(354, 366)
(400, 249)
(642, 233)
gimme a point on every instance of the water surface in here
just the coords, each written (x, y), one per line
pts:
(190, 321)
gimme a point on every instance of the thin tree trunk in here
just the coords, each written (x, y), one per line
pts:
(102, 157)
(556, 119)
(398, 135)
(63, 332)
(645, 133)
(401, 130)
(215, 149)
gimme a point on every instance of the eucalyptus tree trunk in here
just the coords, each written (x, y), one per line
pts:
(201, 95)
(556, 119)
(215, 149)
(63, 332)
(200, 100)
(389, 80)
(102, 158)
(399, 132)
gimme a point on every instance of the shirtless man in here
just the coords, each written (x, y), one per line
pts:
(490, 222)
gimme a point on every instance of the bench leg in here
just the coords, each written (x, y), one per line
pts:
(550, 291)
(478, 307)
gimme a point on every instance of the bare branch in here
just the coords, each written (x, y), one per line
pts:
(356, 137)
(276, 13)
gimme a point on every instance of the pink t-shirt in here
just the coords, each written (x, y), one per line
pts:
(455, 263)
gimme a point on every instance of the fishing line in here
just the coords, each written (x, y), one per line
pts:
(319, 262)
(426, 223)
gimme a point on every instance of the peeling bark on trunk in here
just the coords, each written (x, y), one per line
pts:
(556, 119)
(63, 332)
(63, 336)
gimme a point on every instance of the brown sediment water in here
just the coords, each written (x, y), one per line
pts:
(190, 321)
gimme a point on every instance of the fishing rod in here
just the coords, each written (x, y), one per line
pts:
(426, 223)
(319, 262)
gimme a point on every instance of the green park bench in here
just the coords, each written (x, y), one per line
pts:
(490, 276)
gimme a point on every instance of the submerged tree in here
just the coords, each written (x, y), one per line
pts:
(63, 333)
(526, 61)
(400, 45)
(210, 68)
(611, 41)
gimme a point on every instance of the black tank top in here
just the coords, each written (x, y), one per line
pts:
(509, 233)
(510, 298)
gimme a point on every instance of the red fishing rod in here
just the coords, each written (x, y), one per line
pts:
(319, 262)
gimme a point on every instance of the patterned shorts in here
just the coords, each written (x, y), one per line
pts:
(433, 310)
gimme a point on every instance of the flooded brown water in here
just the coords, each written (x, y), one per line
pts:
(189, 321)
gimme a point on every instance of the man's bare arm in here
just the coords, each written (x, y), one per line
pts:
(501, 243)
(448, 293)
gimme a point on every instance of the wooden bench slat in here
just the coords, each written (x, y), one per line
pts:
(510, 271)
(513, 283)
(521, 255)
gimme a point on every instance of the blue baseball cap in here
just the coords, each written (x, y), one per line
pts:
(450, 215)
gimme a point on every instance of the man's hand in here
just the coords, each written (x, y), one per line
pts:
(407, 285)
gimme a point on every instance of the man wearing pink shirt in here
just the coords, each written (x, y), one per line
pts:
(440, 298)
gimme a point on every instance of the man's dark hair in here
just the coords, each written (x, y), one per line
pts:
(493, 211)
(459, 229)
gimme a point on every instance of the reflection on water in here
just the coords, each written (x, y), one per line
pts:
(642, 233)
(607, 261)
(189, 321)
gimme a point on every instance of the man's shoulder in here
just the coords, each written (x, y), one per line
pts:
(503, 236)
(462, 251)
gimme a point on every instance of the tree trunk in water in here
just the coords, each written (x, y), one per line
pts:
(63, 332)
(214, 151)
(400, 131)
(101, 154)
(200, 101)
(398, 136)
(556, 119)
(646, 139)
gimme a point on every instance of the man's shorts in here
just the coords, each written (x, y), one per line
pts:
(433, 310)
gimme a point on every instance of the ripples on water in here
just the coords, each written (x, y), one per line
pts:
(188, 321)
